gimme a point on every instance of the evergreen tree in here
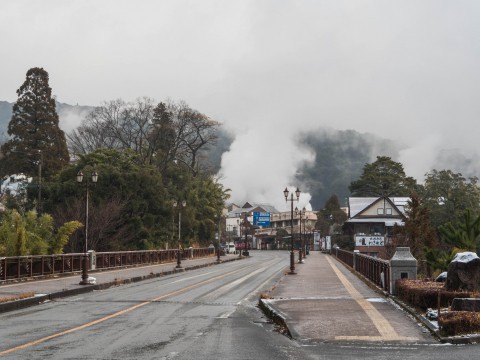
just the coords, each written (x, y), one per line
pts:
(455, 237)
(163, 136)
(449, 195)
(330, 216)
(418, 233)
(34, 130)
(384, 177)
(465, 235)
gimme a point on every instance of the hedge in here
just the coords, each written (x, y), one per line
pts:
(422, 295)
(428, 294)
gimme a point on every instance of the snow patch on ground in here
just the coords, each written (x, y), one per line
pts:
(376, 300)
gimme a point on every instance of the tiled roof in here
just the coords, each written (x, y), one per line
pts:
(358, 204)
(238, 212)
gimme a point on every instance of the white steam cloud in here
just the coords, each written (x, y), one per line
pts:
(261, 162)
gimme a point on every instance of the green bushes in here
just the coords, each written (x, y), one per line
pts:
(29, 234)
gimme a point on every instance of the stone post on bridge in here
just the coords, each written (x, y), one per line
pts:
(402, 266)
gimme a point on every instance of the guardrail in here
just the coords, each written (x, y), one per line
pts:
(375, 270)
(22, 267)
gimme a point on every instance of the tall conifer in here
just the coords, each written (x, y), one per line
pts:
(34, 130)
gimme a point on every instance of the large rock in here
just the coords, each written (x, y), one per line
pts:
(464, 272)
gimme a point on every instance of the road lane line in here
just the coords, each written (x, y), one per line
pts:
(387, 332)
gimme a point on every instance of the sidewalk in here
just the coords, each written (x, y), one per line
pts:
(58, 287)
(325, 302)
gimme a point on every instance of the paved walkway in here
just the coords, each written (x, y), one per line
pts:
(324, 301)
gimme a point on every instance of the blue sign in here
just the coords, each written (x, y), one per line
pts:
(261, 218)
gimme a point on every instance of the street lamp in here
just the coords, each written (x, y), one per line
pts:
(179, 256)
(245, 223)
(40, 161)
(219, 236)
(305, 235)
(301, 213)
(94, 179)
(239, 236)
(292, 256)
(174, 205)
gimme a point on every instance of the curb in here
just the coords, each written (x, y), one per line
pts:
(269, 310)
(36, 300)
(271, 313)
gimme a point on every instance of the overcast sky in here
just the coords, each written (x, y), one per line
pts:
(405, 70)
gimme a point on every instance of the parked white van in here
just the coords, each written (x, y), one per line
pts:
(230, 248)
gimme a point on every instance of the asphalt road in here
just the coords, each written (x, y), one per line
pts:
(208, 313)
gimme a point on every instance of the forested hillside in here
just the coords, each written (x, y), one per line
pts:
(339, 155)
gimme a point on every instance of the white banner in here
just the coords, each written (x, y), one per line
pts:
(361, 240)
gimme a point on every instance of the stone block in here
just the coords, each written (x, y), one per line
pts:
(466, 304)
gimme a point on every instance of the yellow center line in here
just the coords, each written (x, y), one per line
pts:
(98, 321)
(387, 332)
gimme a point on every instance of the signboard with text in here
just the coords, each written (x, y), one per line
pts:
(369, 240)
(261, 218)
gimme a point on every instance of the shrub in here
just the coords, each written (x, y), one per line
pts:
(427, 294)
(17, 297)
(459, 322)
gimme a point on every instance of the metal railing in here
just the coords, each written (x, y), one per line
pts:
(23, 267)
(375, 270)
(345, 256)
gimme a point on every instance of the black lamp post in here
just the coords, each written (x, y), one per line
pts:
(301, 213)
(245, 227)
(219, 236)
(40, 161)
(292, 255)
(172, 238)
(239, 236)
(179, 254)
(94, 179)
(305, 235)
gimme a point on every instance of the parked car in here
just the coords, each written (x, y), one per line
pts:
(230, 248)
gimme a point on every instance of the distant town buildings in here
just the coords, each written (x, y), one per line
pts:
(370, 225)
(240, 221)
